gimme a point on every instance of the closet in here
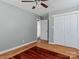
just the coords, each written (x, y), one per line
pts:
(66, 29)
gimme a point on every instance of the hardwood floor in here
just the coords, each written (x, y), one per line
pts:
(40, 53)
(41, 45)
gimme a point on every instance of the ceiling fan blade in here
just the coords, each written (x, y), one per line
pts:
(33, 7)
(44, 0)
(27, 1)
(44, 5)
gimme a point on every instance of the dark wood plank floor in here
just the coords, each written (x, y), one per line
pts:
(40, 53)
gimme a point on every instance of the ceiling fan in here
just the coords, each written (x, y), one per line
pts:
(37, 3)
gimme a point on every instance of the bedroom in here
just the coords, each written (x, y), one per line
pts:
(57, 25)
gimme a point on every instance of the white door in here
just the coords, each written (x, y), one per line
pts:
(44, 29)
(78, 33)
(71, 30)
(66, 30)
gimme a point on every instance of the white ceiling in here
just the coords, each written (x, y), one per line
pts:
(63, 4)
(53, 5)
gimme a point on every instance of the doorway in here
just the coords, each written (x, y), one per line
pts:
(43, 29)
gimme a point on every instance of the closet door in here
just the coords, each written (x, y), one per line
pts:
(78, 33)
(59, 30)
(66, 30)
(70, 31)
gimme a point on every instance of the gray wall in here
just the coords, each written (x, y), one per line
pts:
(51, 28)
(16, 26)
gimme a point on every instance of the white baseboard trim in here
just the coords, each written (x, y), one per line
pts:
(5, 51)
(56, 43)
(52, 43)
